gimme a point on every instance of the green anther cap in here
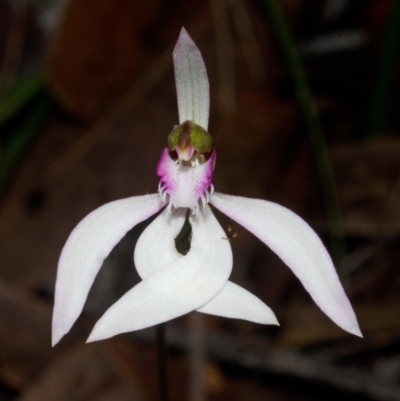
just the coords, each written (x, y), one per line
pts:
(190, 134)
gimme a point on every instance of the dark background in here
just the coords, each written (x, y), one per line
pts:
(87, 99)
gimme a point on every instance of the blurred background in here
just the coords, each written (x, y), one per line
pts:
(304, 112)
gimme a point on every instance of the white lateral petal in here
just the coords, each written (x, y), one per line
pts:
(296, 243)
(237, 303)
(85, 250)
(155, 250)
(177, 289)
(191, 80)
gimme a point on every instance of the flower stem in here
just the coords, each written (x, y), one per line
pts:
(182, 243)
(161, 361)
(314, 128)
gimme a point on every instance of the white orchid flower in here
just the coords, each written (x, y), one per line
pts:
(174, 284)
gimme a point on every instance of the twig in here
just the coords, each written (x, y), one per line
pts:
(317, 368)
(197, 389)
(162, 361)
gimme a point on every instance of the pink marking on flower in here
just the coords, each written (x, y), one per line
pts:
(185, 185)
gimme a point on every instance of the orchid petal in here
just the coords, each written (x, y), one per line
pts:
(237, 303)
(86, 248)
(155, 249)
(192, 85)
(295, 242)
(177, 289)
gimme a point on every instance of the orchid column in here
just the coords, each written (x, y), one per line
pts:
(174, 284)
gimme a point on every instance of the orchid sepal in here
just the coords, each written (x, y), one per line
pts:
(299, 247)
(85, 250)
(192, 86)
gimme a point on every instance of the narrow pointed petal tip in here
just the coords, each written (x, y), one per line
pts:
(237, 303)
(95, 337)
(191, 80)
(299, 247)
(355, 330)
(56, 336)
(85, 250)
